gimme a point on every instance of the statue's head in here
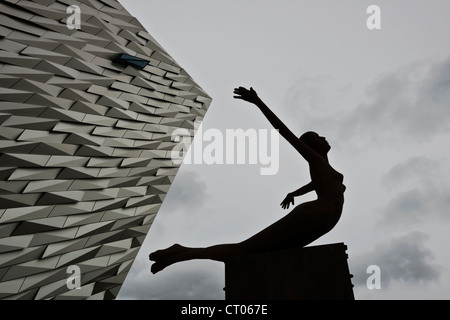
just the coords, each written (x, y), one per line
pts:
(316, 142)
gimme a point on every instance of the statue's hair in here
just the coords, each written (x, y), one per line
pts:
(308, 137)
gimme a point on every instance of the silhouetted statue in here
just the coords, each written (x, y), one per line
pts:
(304, 224)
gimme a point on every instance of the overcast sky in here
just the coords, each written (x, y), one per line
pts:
(381, 97)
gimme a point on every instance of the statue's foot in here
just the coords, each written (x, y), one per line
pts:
(157, 267)
(166, 257)
(164, 253)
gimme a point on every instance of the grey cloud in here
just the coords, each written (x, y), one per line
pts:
(192, 283)
(404, 259)
(407, 208)
(422, 193)
(187, 191)
(418, 206)
(410, 103)
(313, 103)
(417, 170)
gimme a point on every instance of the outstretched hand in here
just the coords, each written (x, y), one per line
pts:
(287, 201)
(246, 95)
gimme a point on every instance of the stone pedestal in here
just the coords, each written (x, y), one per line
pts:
(317, 272)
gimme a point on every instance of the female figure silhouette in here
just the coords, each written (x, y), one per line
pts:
(303, 225)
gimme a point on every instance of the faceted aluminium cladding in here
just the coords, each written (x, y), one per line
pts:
(86, 117)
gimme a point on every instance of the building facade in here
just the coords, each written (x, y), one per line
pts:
(88, 104)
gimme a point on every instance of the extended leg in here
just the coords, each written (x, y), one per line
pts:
(178, 253)
(300, 227)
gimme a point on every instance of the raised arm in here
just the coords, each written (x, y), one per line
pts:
(252, 97)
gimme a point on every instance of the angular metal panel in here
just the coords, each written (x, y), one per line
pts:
(85, 144)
